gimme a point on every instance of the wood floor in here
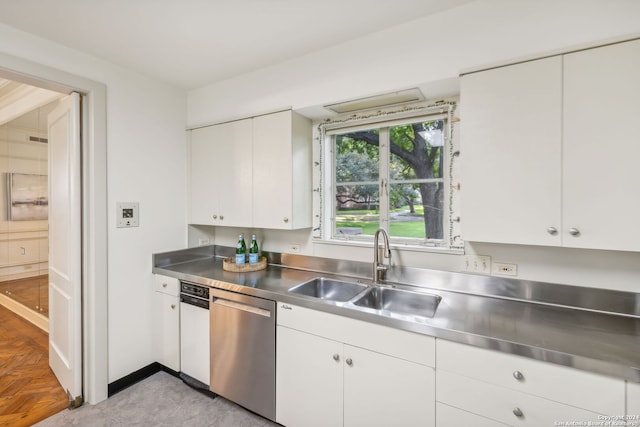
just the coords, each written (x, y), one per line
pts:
(29, 392)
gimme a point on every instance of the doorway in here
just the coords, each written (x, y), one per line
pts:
(24, 248)
(94, 212)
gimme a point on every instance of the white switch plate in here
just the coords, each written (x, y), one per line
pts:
(478, 264)
(127, 214)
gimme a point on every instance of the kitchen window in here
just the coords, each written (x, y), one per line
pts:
(393, 170)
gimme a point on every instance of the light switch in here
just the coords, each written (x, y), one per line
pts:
(127, 214)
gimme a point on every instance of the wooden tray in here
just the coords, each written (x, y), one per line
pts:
(229, 264)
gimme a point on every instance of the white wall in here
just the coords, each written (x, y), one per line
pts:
(146, 157)
(471, 36)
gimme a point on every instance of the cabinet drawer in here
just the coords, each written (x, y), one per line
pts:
(449, 416)
(594, 392)
(382, 339)
(166, 285)
(505, 405)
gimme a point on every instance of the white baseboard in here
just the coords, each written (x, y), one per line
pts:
(37, 319)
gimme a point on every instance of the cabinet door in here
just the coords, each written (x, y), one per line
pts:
(510, 136)
(202, 177)
(220, 178)
(308, 380)
(383, 391)
(166, 330)
(281, 171)
(601, 147)
(633, 401)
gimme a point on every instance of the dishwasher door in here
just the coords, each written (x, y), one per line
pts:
(243, 350)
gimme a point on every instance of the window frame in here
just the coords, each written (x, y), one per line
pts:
(324, 175)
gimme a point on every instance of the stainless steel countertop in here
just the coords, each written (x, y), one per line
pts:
(595, 341)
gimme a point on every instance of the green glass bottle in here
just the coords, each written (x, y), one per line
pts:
(241, 250)
(253, 250)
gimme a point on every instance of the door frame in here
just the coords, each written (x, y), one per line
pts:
(94, 207)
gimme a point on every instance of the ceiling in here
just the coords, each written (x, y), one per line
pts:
(17, 99)
(192, 43)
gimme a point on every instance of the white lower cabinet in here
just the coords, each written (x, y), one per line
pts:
(633, 402)
(381, 390)
(335, 371)
(516, 391)
(166, 321)
(308, 380)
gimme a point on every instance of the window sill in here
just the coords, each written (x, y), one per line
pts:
(394, 246)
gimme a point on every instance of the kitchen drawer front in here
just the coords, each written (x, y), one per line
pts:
(449, 416)
(166, 285)
(586, 390)
(382, 339)
(505, 405)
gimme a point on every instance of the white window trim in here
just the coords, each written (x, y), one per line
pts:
(322, 182)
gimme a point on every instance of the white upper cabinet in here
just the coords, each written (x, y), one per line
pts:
(511, 164)
(601, 148)
(281, 171)
(254, 172)
(549, 151)
(220, 174)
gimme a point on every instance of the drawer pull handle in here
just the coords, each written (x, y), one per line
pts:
(336, 357)
(349, 362)
(518, 375)
(518, 412)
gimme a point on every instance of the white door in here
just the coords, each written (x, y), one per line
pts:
(65, 344)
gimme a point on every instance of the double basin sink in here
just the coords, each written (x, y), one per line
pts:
(381, 299)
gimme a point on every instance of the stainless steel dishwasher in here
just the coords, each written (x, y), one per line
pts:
(243, 350)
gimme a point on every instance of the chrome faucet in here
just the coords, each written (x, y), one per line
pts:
(379, 270)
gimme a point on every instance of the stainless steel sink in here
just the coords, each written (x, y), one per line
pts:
(399, 301)
(329, 289)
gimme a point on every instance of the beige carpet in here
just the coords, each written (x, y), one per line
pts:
(160, 400)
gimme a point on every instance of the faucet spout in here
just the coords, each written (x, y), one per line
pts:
(379, 269)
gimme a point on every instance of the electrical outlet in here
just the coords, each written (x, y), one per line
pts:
(478, 264)
(294, 248)
(505, 269)
(203, 242)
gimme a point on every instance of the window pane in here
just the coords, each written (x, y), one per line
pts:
(357, 209)
(357, 156)
(416, 150)
(410, 217)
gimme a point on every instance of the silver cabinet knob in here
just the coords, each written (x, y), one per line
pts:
(336, 357)
(164, 285)
(518, 412)
(349, 362)
(173, 306)
(574, 231)
(285, 219)
(518, 375)
(552, 230)
(215, 217)
(221, 217)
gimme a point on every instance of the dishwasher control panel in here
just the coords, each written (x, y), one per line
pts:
(194, 290)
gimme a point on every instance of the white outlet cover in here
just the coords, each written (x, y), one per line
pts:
(127, 214)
